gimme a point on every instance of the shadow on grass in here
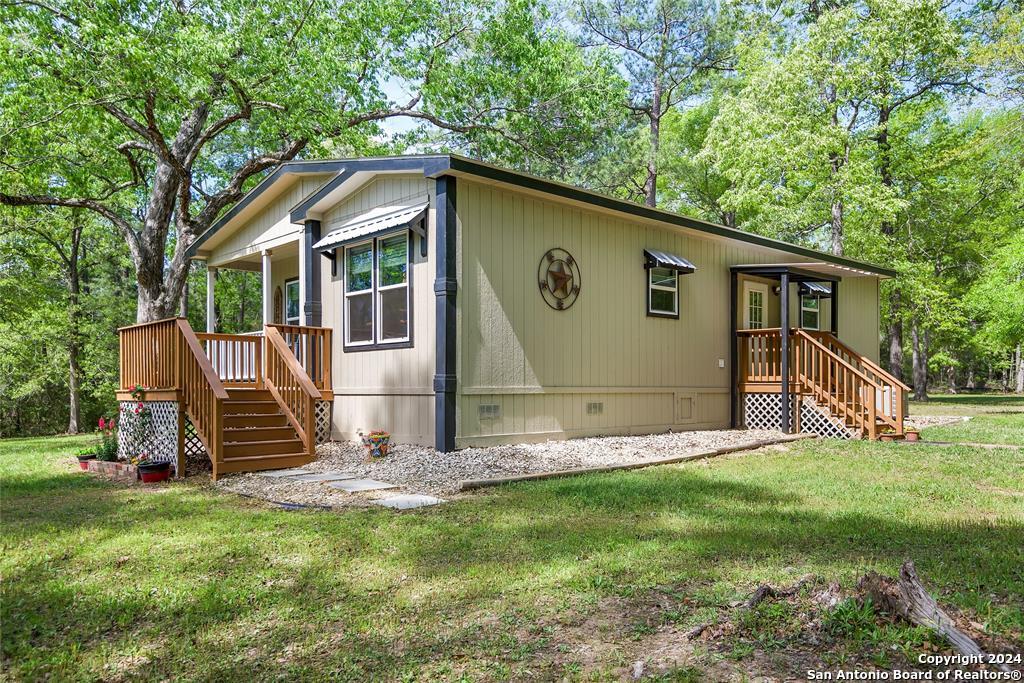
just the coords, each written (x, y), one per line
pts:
(225, 588)
(981, 399)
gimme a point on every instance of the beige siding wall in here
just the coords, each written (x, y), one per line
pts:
(270, 226)
(385, 389)
(542, 367)
(859, 315)
(281, 270)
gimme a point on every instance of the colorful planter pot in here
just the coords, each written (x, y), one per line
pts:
(154, 471)
(377, 445)
(83, 461)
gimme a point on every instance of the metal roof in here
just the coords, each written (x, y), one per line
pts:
(372, 222)
(663, 259)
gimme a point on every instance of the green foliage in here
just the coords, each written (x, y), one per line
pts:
(851, 618)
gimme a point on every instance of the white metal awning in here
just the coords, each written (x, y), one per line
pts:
(372, 222)
(663, 259)
(817, 289)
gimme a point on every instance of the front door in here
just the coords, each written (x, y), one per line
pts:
(755, 305)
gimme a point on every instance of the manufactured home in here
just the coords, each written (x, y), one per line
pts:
(454, 304)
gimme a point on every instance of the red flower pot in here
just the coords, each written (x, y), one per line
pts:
(913, 436)
(154, 472)
(888, 437)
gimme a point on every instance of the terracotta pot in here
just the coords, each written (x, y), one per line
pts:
(154, 472)
(888, 437)
(913, 436)
(83, 461)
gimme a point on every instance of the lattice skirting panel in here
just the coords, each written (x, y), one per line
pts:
(323, 421)
(816, 420)
(155, 435)
(193, 446)
(761, 411)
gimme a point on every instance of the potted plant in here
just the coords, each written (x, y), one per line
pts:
(912, 433)
(151, 471)
(84, 456)
(887, 434)
(377, 443)
(107, 448)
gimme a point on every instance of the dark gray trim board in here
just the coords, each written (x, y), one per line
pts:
(313, 308)
(436, 166)
(445, 290)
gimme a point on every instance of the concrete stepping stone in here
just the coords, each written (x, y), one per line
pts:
(355, 485)
(278, 474)
(408, 501)
(323, 476)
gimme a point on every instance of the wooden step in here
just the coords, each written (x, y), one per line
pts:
(269, 462)
(259, 448)
(259, 420)
(238, 394)
(250, 407)
(248, 434)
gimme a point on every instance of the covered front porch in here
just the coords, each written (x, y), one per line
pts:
(790, 368)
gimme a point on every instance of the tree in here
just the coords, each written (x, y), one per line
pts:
(157, 117)
(667, 48)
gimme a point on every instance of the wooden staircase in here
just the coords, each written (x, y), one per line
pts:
(851, 389)
(257, 434)
(250, 398)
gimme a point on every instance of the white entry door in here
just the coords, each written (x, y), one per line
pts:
(755, 305)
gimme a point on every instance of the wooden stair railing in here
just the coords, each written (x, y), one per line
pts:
(311, 346)
(203, 395)
(291, 387)
(896, 391)
(837, 383)
(237, 358)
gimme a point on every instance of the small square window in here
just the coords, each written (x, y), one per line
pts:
(662, 292)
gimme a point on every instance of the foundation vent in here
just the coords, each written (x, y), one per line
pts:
(490, 411)
(595, 408)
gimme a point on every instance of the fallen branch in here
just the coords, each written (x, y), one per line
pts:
(907, 598)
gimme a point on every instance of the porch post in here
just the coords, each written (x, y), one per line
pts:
(268, 289)
(834, 309)
(733, 343)
(303, 266)
(309, 270)
(784, 324)
(211, 312)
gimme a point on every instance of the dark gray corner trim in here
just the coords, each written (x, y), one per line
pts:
(313, 309)
(445, 290)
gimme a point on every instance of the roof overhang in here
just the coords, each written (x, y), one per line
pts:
(346, 176)
(808, 271)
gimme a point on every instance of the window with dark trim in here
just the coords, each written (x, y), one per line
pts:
(377, 301)
(810, 312)
(662, 292)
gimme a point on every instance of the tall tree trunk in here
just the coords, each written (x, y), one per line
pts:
(183, 308)
(1020, 370)
(951, 379)
(651, 184)
(919, 362)
(888, 230)
(837, 227)
(74, 354)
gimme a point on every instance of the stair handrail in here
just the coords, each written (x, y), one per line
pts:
(203, 394)
(865, 411)
(872, 365)
(290, 386)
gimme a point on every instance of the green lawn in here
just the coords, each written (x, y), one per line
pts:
(562, 578)
(995, 418)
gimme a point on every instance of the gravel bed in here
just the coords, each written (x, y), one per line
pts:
(923, 421)
(424, 470)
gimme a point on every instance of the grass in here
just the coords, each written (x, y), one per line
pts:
(103, 581)
(995, 418)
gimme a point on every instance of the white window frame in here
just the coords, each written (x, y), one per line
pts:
(298, 290)
(375, 292)
(762, 289)
(816, 310)
(651, 287)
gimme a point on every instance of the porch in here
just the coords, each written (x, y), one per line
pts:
(249, 401)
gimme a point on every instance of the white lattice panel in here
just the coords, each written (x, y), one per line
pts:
(816, 420)
(323, 421)
(158, 439)
(193, 445)
(762, 411)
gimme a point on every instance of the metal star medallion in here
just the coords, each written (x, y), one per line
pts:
(559, 279)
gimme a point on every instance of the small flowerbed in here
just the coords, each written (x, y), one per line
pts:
(109, 458)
